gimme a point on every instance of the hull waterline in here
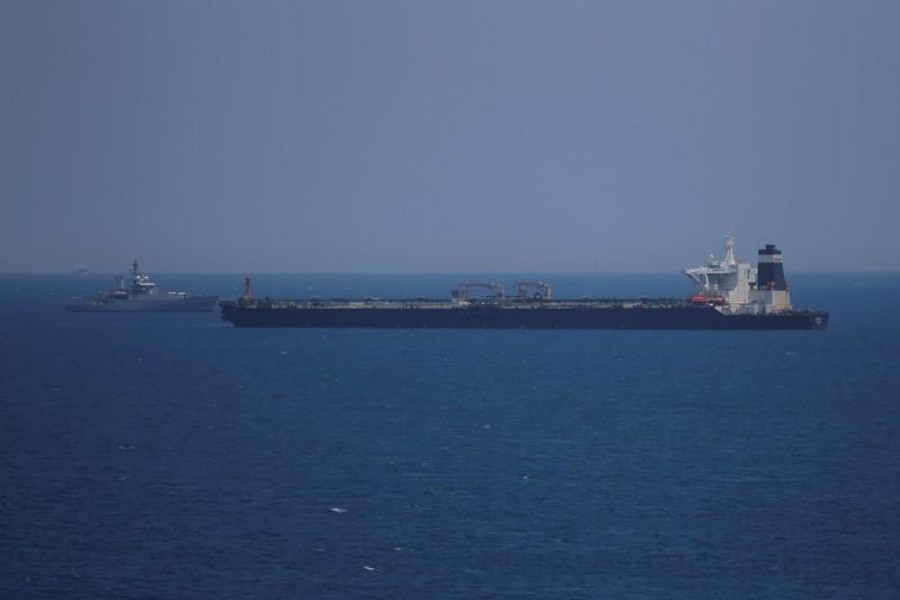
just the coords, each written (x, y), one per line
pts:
(511, 318)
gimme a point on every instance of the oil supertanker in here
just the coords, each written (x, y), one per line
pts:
(729, 294)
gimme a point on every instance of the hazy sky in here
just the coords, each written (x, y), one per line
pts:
(447, 136)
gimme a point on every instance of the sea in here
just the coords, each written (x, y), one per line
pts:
(173, 456)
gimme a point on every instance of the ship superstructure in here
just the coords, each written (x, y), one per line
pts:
(730, 294)
(728, 280)
(735, 287)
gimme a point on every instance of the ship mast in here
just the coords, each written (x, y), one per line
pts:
(729, 260)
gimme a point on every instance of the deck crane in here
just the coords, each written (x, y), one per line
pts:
(543, 290)
(463, 289)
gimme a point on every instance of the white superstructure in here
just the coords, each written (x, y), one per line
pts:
(731, 284)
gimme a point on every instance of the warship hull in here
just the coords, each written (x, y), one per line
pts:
(149, 304)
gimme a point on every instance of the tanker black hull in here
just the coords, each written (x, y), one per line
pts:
(681, 317)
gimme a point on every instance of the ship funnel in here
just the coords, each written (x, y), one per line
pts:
(770, 272)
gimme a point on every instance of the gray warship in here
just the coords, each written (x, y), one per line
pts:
(142, 295)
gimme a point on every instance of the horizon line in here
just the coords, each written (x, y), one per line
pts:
(431, 273)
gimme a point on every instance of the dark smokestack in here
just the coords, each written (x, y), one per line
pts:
(770, 269)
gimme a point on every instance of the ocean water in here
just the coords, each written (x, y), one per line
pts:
(173, 456)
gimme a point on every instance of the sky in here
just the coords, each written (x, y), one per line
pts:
(386, 136)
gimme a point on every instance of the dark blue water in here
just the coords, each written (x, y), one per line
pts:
(172, 456)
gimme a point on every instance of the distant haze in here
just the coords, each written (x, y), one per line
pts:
(447, 136)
